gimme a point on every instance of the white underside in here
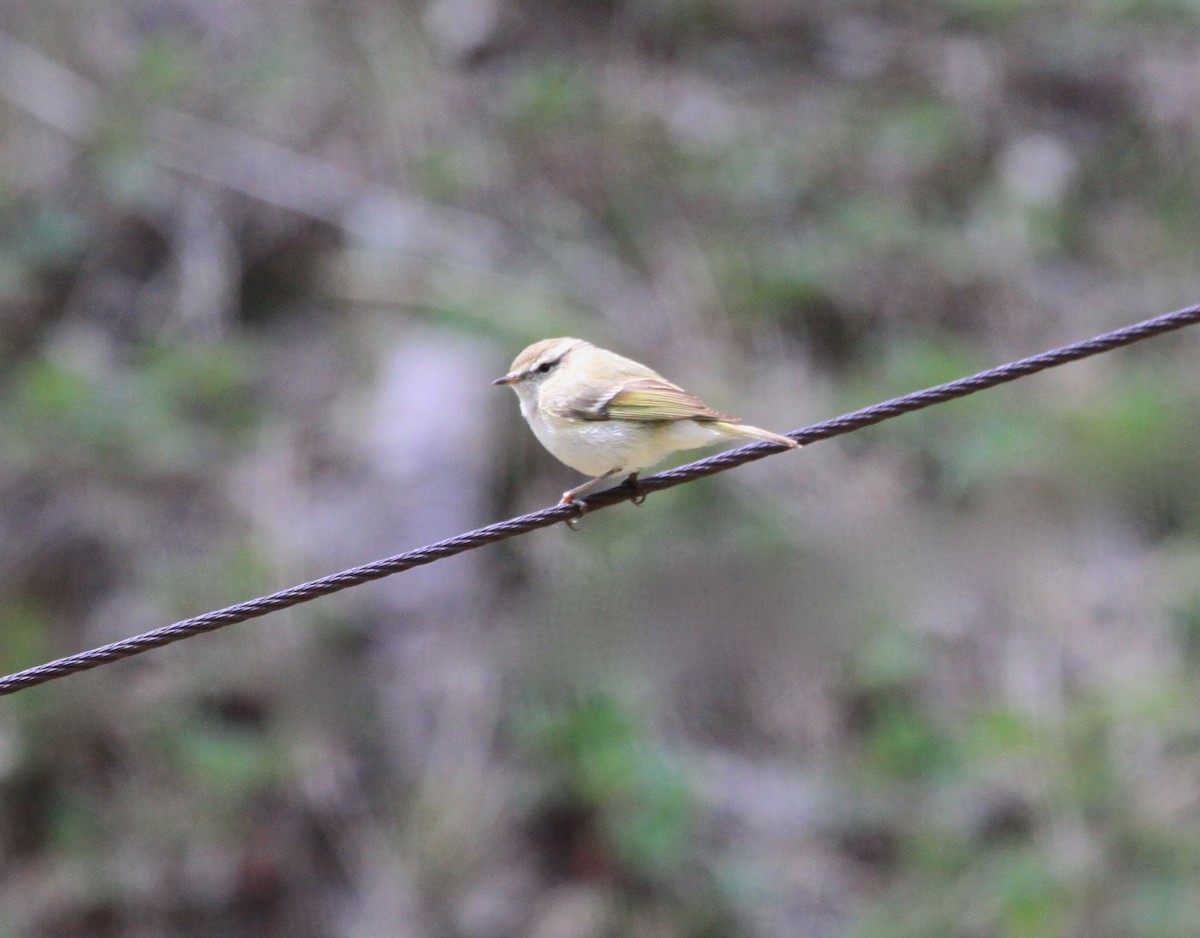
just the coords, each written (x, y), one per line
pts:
(595, 447)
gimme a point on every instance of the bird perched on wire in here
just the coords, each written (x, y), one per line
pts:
(610, 417)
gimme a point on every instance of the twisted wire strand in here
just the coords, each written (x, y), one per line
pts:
(847, 423)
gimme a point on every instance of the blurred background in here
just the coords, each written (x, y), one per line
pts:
(258, 265)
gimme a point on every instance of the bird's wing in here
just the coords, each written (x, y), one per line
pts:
(649, 399)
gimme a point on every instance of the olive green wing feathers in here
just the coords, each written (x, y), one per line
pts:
(649, 399)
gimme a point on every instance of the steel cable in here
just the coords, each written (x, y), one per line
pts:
(501, 530)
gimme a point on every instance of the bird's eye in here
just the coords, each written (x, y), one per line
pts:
(545, 367)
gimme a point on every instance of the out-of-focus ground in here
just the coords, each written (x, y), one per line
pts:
(258, 264)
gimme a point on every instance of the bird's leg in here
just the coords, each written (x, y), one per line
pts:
(589, 486)
(639, 497)
(572, 496)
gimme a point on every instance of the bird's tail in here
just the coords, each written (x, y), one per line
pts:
(745, 432)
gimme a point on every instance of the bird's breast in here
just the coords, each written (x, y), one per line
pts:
(592, 447)
(595, 447)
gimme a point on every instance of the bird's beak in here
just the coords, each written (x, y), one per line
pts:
(507, 379)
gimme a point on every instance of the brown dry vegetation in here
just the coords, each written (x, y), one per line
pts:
(259, 262)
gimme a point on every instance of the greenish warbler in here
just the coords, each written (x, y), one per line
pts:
(611, 417)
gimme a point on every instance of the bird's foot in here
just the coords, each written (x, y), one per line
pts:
(570, 498)
(573, 496)
(639, 494)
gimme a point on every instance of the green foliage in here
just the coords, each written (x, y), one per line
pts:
(683, 22)
(33, 240)
(72, 823)
(770, 282)
(1133, 443)
(1128, 442)
(596, 757)
(553, 96)
(1185, 616)
(166, 64)
(212, 577)
(226, 763)
(170, 410)
(444, 174)
(988, 14)
(767, 170)
(24, 629)
(919, 135)
(1008, 872)
(900, 739)
(965, 445)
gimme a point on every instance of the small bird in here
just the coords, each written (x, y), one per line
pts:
(610, 417)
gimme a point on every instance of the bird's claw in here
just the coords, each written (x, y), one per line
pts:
(569, 498)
